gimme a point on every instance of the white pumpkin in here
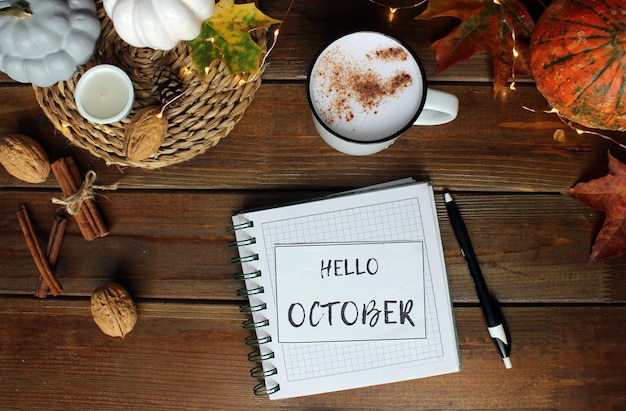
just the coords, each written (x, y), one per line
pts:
(47, 42)
(158, 24)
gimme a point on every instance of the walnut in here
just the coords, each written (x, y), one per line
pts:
(24, 158)
(145, 133)
(113, 310)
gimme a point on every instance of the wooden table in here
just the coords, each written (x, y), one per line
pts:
(168, 246)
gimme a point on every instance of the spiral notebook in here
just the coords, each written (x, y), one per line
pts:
(346, 291)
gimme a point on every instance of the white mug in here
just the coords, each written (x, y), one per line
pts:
(367, 88)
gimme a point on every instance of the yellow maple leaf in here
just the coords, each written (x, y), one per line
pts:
(226, 36)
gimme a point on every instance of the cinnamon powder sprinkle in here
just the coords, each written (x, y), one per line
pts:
(370, 89)
(391, 53)
(347, 82)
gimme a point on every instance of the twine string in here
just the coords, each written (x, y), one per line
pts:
(73, 202)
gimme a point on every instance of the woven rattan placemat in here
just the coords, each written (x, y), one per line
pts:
(207, 112)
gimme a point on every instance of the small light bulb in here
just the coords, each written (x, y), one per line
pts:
(559, 135)
(392, 12)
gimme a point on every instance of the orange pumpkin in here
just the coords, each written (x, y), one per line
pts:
(578, 61)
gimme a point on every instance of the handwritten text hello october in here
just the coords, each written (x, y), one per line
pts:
(350, 313)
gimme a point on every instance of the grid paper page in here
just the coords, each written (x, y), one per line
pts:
(377, 223)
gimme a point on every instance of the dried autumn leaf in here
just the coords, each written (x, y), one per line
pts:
(496, 27)
(608, 194)
(226, 36)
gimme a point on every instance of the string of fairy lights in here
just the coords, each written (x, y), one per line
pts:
(248, 79)
(559, 134)
(244, 78)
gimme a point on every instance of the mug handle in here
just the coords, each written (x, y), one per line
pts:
(439, 108)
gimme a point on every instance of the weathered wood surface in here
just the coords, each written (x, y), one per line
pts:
(534, 248)
(494, 145)
(185, 356)
(168, 245)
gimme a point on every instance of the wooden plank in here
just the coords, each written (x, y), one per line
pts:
(533, 248)
(192, 356)
(494, 145)
(309, 26)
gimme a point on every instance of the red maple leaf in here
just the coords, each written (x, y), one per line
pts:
(608, 194)
(497, 26)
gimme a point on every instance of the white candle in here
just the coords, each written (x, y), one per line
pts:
(104, 94)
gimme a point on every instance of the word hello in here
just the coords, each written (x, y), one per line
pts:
(344, 267)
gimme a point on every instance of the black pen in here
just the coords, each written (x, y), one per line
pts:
(493, 316)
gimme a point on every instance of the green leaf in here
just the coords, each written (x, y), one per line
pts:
(226, 36)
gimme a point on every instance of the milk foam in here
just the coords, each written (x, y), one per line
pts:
(366, 86)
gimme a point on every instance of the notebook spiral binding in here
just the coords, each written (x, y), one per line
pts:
(256, 356)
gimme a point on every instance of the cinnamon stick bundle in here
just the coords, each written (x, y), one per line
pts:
(39, 257)
(79, 198)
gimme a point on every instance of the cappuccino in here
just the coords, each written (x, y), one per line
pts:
(366, 89)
